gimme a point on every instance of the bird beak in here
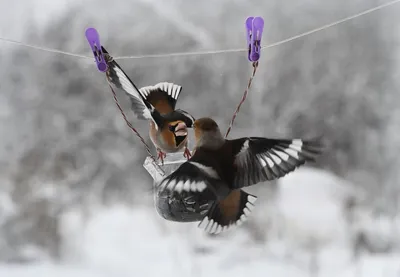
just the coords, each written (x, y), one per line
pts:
(181, 129)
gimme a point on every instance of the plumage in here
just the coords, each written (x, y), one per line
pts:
(117, 77)
(229, 212)
(168, 126)
(223, 167)
(163, 96)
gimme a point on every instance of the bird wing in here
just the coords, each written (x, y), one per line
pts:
(262, 159)
(191, 177)
(140, 107)
(200, 175)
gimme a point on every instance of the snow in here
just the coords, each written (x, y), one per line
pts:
(305, 230)
(127, 241)
(312, 209)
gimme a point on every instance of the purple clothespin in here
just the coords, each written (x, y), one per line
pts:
(94, 40)
(254, 27)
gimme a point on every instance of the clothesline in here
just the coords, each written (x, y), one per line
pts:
(211, 52)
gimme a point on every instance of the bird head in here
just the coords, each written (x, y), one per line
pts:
(179, 129)
(207, 133)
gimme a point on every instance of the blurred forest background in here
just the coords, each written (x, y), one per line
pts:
(66, 152)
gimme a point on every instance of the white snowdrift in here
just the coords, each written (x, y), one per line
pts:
(122, 241)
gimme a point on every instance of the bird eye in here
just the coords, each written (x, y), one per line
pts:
(171, 128)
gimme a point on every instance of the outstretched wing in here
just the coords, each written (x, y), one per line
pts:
(262, 159)
(140, 107)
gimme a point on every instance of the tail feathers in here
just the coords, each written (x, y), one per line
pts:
(231, 211)
(163, 96)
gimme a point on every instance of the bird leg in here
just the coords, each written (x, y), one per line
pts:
(161, 155)
(187, 153)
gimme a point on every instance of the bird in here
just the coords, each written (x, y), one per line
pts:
(156, 103)
(219, 168)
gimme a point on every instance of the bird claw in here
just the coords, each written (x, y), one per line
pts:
(161, 156)
(187, 153)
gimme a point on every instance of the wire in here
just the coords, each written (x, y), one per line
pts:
(211, 52)
(182, 54)
(51, 50)
(332, 24)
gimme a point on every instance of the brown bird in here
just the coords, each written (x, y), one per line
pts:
(168, 126)
(219, 168)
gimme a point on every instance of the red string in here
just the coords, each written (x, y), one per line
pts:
(133, 129)
(255, 65)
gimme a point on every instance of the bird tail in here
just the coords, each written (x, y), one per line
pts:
(228, 212)
(163, 96)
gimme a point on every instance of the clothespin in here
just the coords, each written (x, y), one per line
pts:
(254, 28)
(94, 40)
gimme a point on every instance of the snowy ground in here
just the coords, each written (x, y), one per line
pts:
(368, 267)
(308, 236)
